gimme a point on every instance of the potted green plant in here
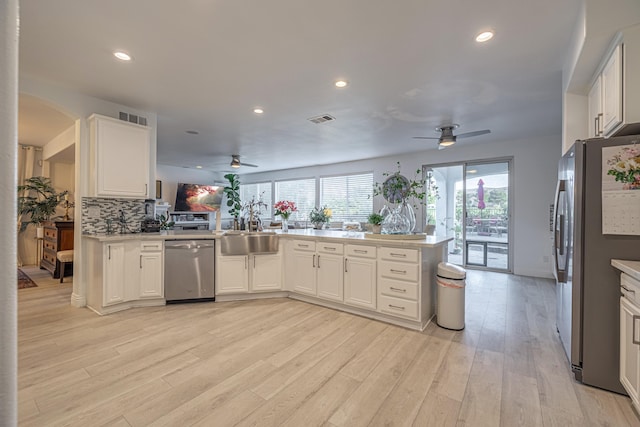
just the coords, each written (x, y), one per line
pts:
(37, 200)
(232, 191)
(319, 217)
(375, 219)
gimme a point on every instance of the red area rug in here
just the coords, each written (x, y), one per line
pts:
(25, 281)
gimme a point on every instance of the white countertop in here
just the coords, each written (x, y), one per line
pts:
(632, 268)
(356, 237)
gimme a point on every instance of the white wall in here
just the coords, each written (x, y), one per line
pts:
(535, 163)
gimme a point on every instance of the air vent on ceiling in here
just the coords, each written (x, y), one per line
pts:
(321, 119)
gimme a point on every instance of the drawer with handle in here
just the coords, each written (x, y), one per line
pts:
(395, 288)
(330, 248)
(49, 245)
(361, 251)
(398, 307)
(397, 270)
(151, 246)
(399, 254)
(303, 245)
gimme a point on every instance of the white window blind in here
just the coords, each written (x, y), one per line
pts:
(349, 197)
(300, 191)
(257, 191)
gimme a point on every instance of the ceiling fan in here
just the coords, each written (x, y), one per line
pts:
(235, 162)
(447, 138)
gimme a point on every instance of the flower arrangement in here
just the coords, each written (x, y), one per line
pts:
(285, 208)
(625, 167)
(320, 216)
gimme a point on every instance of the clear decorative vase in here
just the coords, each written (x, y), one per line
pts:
(385, 211)
(395, 223)
(318, 225)
(406, 210)
(285, 225)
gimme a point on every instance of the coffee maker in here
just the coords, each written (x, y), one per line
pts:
(150, 224)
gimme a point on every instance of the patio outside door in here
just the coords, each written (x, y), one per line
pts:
(470, 202)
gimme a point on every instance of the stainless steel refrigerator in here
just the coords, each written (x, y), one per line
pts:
(587, 286)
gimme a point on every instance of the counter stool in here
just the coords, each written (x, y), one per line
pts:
(64, 257)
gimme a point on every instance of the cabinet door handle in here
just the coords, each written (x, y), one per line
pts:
(595, 126)
(398, 289)
(600, 128)
(633, 330)
(109, 248)
(327, 248)
(398, 255)
(345, 265)
(397, 307)
(302, 246)
(140, 261)
(146, 189)
(398, 271)
(627, 289)
(314, 261)
(318, 261)
(360, 251)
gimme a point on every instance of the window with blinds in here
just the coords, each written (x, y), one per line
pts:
(300, 191)
(257, 191)
(348, 196)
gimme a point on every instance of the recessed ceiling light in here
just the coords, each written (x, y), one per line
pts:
(484, 36)
(192, 132)
(258, 110)
(198, 167)
(341, 83)
(123, 56)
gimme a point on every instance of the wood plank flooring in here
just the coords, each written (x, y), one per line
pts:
(281, 362)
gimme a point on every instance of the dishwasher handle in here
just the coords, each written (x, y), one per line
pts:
(189, 244)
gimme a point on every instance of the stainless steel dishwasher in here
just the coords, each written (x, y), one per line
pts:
(189, 273)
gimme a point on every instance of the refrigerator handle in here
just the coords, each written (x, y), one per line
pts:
(559, 232)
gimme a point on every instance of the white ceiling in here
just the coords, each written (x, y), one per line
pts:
(412, 65)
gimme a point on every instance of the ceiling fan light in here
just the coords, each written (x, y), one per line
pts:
(447, 141)
(235, 162)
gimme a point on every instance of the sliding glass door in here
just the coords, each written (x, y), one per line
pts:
(470, 202)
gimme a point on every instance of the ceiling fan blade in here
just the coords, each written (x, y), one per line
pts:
(426, 137)
(476, 133)
(248, 164)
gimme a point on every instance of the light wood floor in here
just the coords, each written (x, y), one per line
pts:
(284, 362)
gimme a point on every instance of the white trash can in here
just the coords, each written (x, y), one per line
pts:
(450, 300)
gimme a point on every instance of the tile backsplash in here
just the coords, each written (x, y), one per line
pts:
(96, 211)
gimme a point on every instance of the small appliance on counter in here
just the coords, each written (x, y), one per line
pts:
(149, 225)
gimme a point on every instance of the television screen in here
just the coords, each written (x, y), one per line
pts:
(198, 198)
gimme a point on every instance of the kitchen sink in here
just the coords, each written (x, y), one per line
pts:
(245, 242)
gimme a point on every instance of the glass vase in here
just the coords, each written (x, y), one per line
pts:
(285, 225)
(406, 210)
(395, 223)
(385, 211)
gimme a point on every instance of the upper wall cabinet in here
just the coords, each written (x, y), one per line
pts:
(614, 98)
(120, 157)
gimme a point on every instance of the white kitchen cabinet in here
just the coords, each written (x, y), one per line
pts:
(360, 276)
(613, 101)
(266, 272)
(301, 267)
(232, 274)
(330, 266)
(612, 92)
(595, 109)
(121, 275)
(630, 337)
(120, 158)
(115, 274)
(248, 273)
(399, 282)
(151, 269)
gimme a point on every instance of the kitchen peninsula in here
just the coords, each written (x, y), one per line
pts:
(390, 280)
